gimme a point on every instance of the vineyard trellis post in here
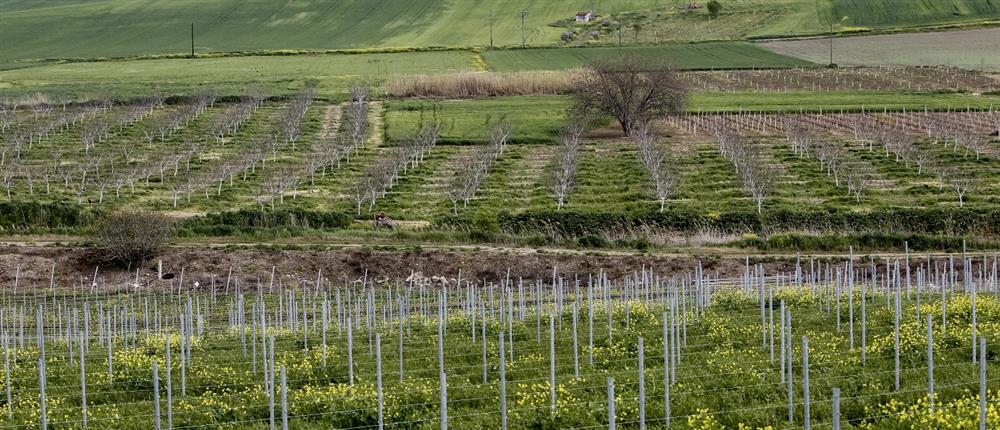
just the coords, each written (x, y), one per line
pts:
(930, 362)
(503, 386)
(805, 383)
(982, 383)
(83, 383)
(666, 372)
(378, 381)
(611, 403)
(642, 386)
(552, 362)
(836, 409)
(156, 396)
(350, 352)
(444, 400)
(284, 400)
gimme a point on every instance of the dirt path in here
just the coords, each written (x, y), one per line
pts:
(33, 261)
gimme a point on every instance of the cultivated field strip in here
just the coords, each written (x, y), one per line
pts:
(893, 335)
(880, 78)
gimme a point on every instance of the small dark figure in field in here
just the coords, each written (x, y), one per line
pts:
(381, 220)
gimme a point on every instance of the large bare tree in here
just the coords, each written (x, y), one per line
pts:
(630, 89)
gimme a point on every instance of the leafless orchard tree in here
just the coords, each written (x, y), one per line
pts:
(799, 135)
(470, 177)
(656, 160)
(758, 175)
(566, 161)
(235, 116)
(356, 116)
(960, 182)
(630, 89)
(385, 174)
(858, 177)
(9, 170)
(291, 121)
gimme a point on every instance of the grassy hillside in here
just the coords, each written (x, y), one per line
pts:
(111, 28)
(36, 29)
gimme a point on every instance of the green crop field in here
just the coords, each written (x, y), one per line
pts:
(970, 49)
(334, 72)
(725, 55)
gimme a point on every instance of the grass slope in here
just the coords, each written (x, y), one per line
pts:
(57, 28)
(111, 28)
(685, 56)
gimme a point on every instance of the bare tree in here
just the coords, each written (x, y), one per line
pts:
(655, 159)
(959, 181)
(470, 177)
(757, 174)
(799, 135)
(566, 161)
(630, 89)
(858, 177)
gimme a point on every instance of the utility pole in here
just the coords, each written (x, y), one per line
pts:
(524, 13)
(492, 16)
(192, 40)
(831, 40)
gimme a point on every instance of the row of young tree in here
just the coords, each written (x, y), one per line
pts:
(384, 174)
(329, 150)
(470, 176)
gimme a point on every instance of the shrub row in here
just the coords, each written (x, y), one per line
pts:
(245, 220)
(949, 221)
(36, 216)
(25, 216)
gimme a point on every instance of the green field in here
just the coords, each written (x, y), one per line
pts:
(725, 55)
(115, 28)
(969, 49)
(534, 119)
(334, 72)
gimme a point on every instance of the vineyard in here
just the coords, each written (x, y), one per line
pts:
(504, 214)
(866, 342)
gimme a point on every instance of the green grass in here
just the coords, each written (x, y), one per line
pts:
(332, 71)
(534, 118)
(838, 100)
(720, 55)
(970, 49)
